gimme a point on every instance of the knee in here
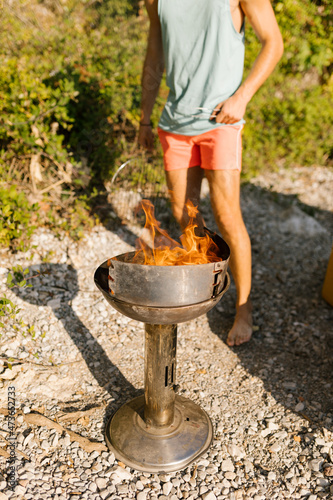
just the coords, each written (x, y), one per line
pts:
(229, 222)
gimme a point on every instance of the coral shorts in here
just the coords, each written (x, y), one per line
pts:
(217, 149)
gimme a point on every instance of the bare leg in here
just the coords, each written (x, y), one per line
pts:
(185, 184)
(225, 199)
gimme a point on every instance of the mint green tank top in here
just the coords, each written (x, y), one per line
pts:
(204, 60)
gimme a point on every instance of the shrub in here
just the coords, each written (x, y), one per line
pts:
(17, 218)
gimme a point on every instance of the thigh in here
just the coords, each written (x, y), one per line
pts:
(185, 184)
(221, 148)
(179, 151)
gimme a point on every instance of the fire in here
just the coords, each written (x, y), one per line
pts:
(165, 251)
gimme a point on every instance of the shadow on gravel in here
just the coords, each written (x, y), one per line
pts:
(292, 348)
(57, 286)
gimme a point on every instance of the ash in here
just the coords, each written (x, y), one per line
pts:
(270, 400)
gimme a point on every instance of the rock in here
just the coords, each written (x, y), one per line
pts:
(122, 488)
(101, 483)
(316, 464)
(104, 493)
(45, 445)
(300, 407)
(19, 490)
(275, 448)
(265, 432)
(10, 373)
(27, 439)
(230, 475)
(141, 496)
(323, 482)
(328, 470)
(96, 468)
(66, 441)
(54, 303)
(272, 426)
(289, 385)
(235, 451)
(167, 487)
(209, 496)
(227, 465)
(92, 487)
(123, 474)
(139, 486)
(203, 489)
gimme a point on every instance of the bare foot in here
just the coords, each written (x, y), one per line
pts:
(241, 330)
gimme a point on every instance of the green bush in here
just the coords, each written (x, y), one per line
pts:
(17, 218)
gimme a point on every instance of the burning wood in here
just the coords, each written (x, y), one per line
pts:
(165, 251)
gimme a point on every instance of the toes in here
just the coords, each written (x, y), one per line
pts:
(238, 338)
(230, 341)
(243, 338)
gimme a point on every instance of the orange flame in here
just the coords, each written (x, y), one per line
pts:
(165, 251)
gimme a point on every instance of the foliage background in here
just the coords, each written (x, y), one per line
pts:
(70, 74)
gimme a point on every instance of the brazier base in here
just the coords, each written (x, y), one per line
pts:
(165, 449)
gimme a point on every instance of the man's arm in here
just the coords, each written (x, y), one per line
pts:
(151, 76)
(262, 18)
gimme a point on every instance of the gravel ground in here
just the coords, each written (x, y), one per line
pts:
(270, 400)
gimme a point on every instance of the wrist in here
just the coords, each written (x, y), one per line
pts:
(244, 94)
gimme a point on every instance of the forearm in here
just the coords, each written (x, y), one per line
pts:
(152, 74)
(265, 63)
(261, 16)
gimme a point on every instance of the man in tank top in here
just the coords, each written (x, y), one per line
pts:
(200, 44)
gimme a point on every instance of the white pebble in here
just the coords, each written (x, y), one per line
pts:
(227, 465)
(101, 483)
(167, 487)
(265, 432)
(45, 445)
(272, 426)
(92, 487)
(139, 485)
(123, 473)
(209, 496)
(235, 451)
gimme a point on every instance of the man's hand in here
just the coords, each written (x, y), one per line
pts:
(229, 111)
(146, 137)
